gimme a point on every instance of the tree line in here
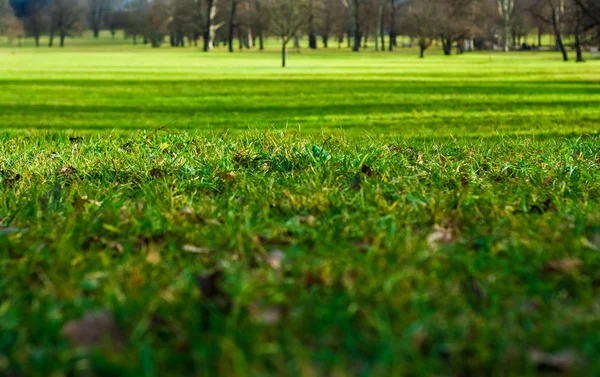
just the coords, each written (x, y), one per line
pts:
(457, 25)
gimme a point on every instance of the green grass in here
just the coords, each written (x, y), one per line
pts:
(352, 215)
(364, 287)
(122, 87)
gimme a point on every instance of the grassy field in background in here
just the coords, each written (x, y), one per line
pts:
(123, 87)
(352, 215)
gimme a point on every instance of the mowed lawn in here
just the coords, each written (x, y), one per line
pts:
(127, 87)
(173, 213)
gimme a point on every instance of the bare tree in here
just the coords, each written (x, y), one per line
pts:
(231, 25)
(287, 19)
(66, 18)
(97, 14)
(5, 9)
(551, 12)
(506, 9)
(36, 21)
(419, 21)
(209, 27)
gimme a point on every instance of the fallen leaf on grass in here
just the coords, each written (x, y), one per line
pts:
(560, 361)
(115, 246)
(366, 170)
(275, 259)
(440, 235)
(271, 316)
(229, 176)
(156, 173)
(308, 220)
(565, 266)
(195, 249)
(80, 202)
(9, 177)
(92, 330)
(66, 171)
(153, 255)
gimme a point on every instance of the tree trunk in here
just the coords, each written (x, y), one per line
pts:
(283, 54)
(37, 41)
(422, 47)
(261, 41)
(392, 25)
(357, 32)
(580, 58)
(208, 24)
(505, 34)
(558, 34)
(62, 38)
(51, 38)
(231, 24)
(325, 39)
(539, 37)
(447, 46)
(96, 31)
(312, 41)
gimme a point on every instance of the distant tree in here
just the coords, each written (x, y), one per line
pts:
(135, 19)
(6, 11)
(380, 25)
(36, 21)
(551, 12)
(260, 21)
(97, 15)
(209, 28)
(506, 9)
(116, 18)
(419, 21)
(157, 23)
(185, 21)
(66, 18)
(12, 27)
(287, 17)
(231, 25)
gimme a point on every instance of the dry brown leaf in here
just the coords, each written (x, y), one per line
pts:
(66, 170)
(440, 235)
(195, 249)
(308, 220)
(275, 259)
(80, 202)
(366, 170)
(92, 330)
(153, 254)
(157, 173)
(115, 246)
(565, 266)
(229, 176)
(271, 315)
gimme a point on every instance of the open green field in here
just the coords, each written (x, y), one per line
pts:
(351, 215)
(127, 87)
